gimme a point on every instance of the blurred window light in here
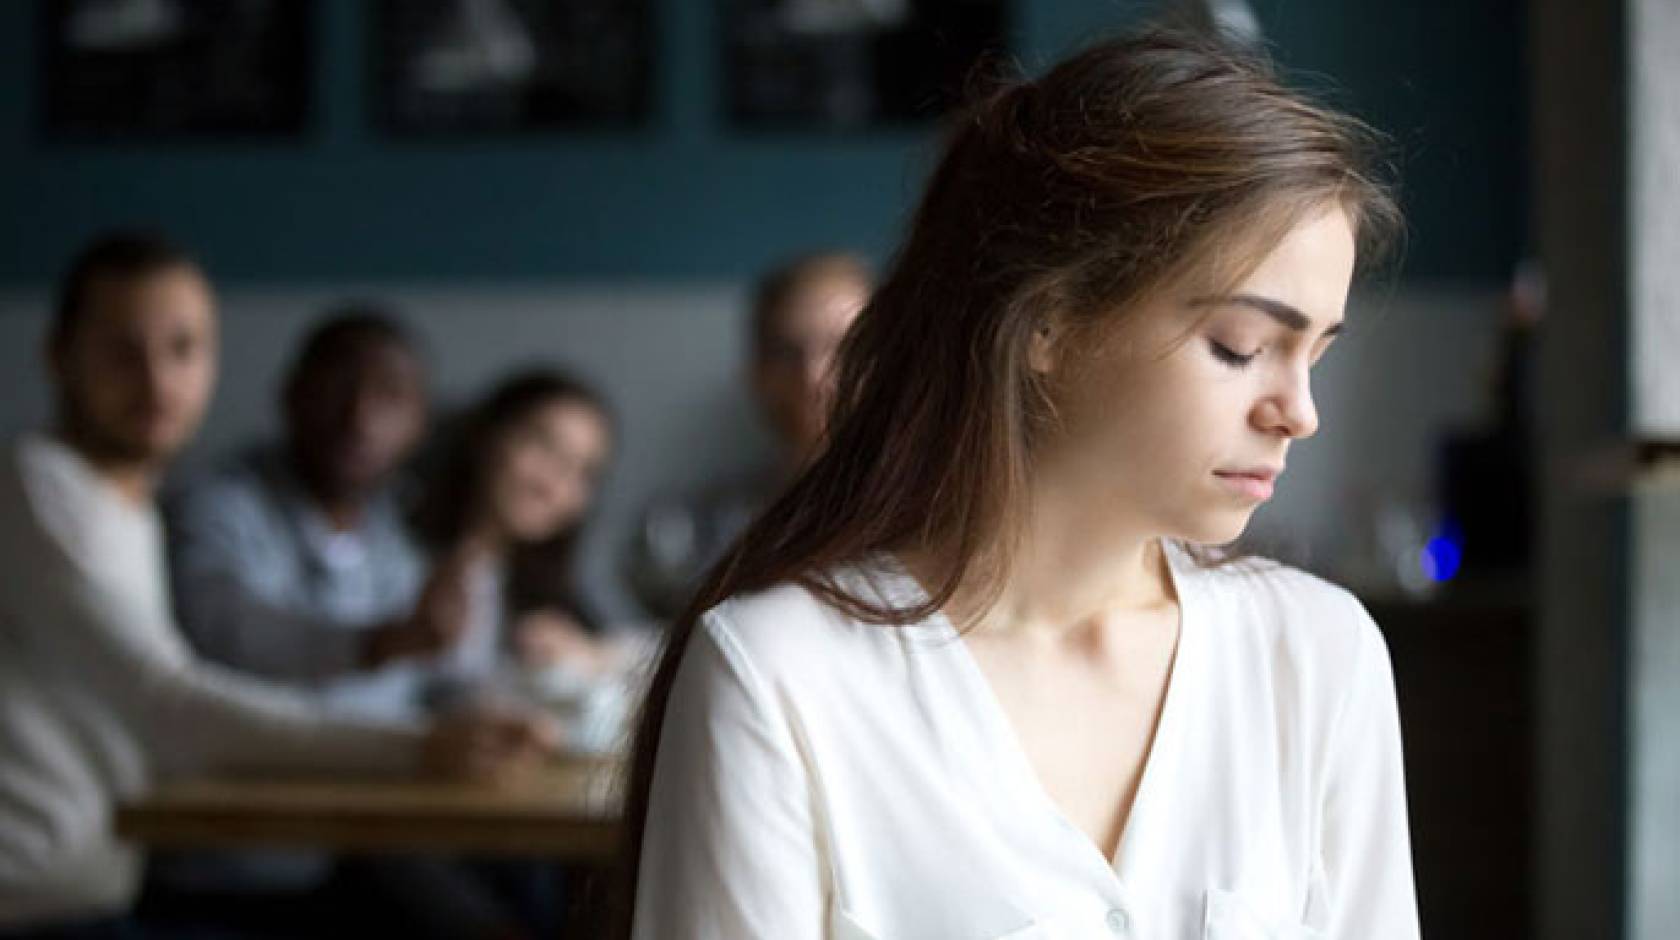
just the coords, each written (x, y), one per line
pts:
(485, 44)
(1232, 19)
(119, 25)
(819, 17)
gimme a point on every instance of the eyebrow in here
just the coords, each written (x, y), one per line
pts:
(1276, 309)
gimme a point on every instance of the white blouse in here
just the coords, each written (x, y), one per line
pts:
(822, 777)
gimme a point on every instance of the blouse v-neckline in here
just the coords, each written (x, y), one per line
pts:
(1023, 778)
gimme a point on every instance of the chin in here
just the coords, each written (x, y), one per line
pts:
(1215, 529)
(153, 448)
(530, 531)
(168, 439)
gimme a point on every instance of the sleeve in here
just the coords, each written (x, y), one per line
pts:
(1365, 853)
(223, 610)
(86, 629)
(730, 850)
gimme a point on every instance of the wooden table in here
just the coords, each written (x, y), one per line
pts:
(567, 812)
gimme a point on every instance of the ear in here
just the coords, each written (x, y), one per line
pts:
(1044, 346)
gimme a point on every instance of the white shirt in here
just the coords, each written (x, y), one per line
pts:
(98, 692)
(822, 777)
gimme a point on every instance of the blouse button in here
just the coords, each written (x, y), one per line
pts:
(1118, 922)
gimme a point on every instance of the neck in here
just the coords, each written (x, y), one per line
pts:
(1069, 574)
(342, 510)
(135, 479)
(480, 541)
(343, 513)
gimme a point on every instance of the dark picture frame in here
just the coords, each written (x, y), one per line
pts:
(853, 64)
(472, 67)
(167, 69)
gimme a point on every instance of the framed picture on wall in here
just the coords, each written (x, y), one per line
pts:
(137, 69)
(495, 66)
(840, 64)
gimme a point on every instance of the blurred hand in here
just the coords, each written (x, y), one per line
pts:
(439, 619)
(494, 746)
(552, 638)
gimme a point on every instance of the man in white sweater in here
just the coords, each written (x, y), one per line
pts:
(98, 692)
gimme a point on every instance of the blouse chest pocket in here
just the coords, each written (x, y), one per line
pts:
(843, 927)
(1229, 917)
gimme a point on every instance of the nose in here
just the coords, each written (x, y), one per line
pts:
(1289, 409)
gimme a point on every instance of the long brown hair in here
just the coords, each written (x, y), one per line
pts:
(539, 573)
(1129, 167)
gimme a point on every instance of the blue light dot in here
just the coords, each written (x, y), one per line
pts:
(1441, 558)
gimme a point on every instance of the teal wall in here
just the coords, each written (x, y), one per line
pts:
(683, 197)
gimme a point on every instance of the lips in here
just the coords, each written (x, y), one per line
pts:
(1269, 474)
(1253, 482)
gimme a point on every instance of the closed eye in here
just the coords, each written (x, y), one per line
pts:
(1230, 356)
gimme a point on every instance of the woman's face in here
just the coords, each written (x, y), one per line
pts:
(1179, 421)
(544, 469)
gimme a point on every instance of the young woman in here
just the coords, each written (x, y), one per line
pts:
(979, 672)
(510, 501)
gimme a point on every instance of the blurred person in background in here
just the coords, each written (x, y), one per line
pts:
(800, 313)
(504, 512)
(295, 560)
(99, 693)
(503, 504)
